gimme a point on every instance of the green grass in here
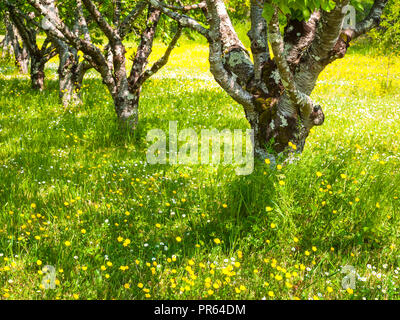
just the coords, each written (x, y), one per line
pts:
(73, 188)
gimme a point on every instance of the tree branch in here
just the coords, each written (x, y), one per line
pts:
(225, 79)
(163, 60)
(110, 33)
(372, 20)
(186, 8)
(285, 73)
(126, 25)
(184, 20)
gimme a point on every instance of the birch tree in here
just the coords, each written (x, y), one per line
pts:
(13, 46)
(115, 20)
(39, 54)
(274, 88)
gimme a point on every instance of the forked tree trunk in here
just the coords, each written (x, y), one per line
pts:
(275, 92)
(28, 31)
(37, 73)
(111, 62)
(277, 122)
(70, 73)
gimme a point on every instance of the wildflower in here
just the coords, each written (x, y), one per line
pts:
(67, 243)
(217, 241)
(271, 293)
(349, 291)
(178, 239)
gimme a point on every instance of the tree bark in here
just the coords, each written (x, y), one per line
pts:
(11, 46)
(275, 92)
(22, 58)
(37, 73)
(127, 108)
(6, 44)
(28, 30)
(71, 73)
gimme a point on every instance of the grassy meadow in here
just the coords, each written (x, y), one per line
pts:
(76, 194)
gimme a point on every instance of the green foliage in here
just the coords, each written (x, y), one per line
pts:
(238, 9)
(302, 9)
(387, 36)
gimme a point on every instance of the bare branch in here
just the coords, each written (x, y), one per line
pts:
(186, 8)
(58, 29)
(372, 20)
(110, 33)
(145, 47)
(82, 21)
(285, 73)
(184, 20)
(27, 35)
(163, 60)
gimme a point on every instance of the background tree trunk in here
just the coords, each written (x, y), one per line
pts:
(37, 73)
(11, 46)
